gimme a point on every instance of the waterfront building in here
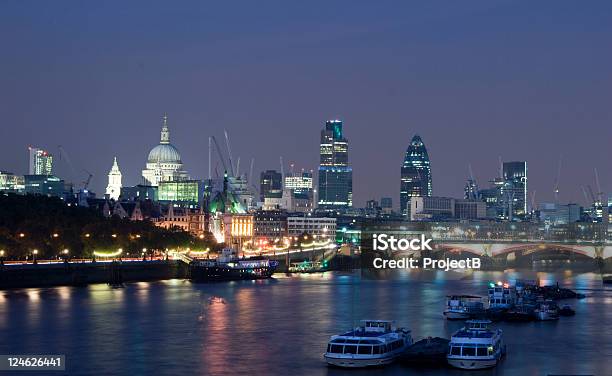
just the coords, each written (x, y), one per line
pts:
(47, 185)
(164, 161)
(113, 189)
(269, 225)
(445, 208)
(41, 162)
(270, 180)
(431, 208)
(556, 214)
(470, 209)
(11, 183)
(186, 192)
(319, 226)
(186, 219)
(335, 174)
(515, 189)
(415, 174)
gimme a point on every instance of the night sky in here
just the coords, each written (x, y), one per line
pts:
(524, 80)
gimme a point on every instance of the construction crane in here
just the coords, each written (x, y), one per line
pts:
(556, 188)
(599, 192)
(229, 153)
(63, 154)
(216, 144)
(88, 180)
(251, 171)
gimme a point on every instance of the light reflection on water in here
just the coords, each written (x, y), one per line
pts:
(281, 326)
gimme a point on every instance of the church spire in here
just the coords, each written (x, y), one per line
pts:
(165, 132)
(115, 165)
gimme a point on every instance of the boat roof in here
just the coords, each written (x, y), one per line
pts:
(464, 296)
(463, 333)
(478, 321)
(362, 333)
(387, 321)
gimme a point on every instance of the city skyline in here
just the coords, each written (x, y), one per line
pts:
(510, 86)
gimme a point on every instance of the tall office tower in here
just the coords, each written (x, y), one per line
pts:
(113, 189)
(335, 174)
(41, 162)
(270, 180)
(416, 174)
(515, 189)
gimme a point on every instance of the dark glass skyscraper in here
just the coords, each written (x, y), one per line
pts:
(515, 189)
(416, 174)
(270, 180)
(335, 175)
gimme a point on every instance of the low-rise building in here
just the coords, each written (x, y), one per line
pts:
(320, 226)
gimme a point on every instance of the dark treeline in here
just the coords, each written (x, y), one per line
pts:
(48, 225)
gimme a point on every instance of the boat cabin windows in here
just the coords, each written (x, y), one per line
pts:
(469, 349)
(362, 347)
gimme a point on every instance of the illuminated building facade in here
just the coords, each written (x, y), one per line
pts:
(188, 192)
(299, 182)
(335, 174)
(113, 189)
(10, 182)
(415, 174)
(164, 161)
(41, 162)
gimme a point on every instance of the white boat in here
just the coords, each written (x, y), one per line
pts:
(476, 346)
(501, 295)
(462, 307)
(374, 343)
(547, 311)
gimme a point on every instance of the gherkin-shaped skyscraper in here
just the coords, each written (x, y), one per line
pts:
(416, 174)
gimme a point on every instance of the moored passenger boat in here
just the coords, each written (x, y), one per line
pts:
(374, 343)
(547, 311)
(229, 267)
(501, 295)
(461, 307)
(476, 346)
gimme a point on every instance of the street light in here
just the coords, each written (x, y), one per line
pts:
(21, 235)
(34, 253)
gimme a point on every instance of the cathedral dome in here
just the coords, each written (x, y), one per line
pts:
(164, 153)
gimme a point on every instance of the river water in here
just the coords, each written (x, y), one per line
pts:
(281, 326)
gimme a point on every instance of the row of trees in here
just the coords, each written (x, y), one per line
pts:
(47, 226)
